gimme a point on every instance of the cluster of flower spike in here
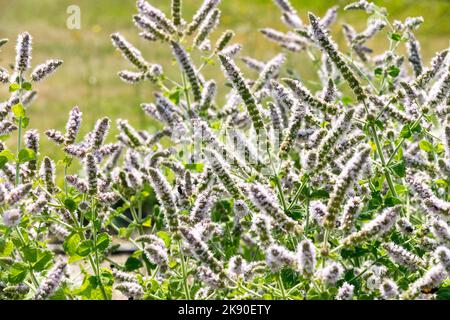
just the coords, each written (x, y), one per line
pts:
(348, 195)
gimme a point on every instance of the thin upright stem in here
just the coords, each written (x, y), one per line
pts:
(281, 285)
(97, 262)
(23, 243)
(297, 194)
(183, 269)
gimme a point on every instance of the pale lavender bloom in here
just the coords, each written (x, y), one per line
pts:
(306, 253)
(91, 169)
(206, 7)
(278, 257)
(131, 77)
(368, 7)
(210, 278)
(403, 257)
(202, 206)
(165, 196)
(23, 52)
(28, 97)
(156, 15)
(253, 63)
(38, 205)
(55, 135)
(51, 282)
(18, 193)
(78, 183)
(345, 292)
(389, 289)
(44, 70)
(32, 140)
(6, 127)
(207, 27)
(329, 17)
(442, 255)
(4, 75)
(157, 254)
(376, 227)
(330, 274)
(265, 200)
(231, 50)
(108, 197)
(132, 290)
(11, 217)
(414, 57)
(440, 230)
(237, 266)
(47, 173)
(413, 22)
(100, 131)
(150, 30)
(129, 52)
(124, 276)
(430, 280)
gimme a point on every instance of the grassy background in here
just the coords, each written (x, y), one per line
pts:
(88, 77)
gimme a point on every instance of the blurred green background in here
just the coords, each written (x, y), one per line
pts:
(89, 78)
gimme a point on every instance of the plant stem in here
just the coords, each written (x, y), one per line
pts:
(391, 158)
(140, 229)
(383, 162)
(22, 241)
(281, 285)
(97, 263)
(307, 217)
(183, 269)
(280, 191)
(297, 194)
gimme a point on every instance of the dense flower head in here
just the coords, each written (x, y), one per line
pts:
(23, 52)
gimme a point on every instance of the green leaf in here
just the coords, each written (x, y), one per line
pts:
(147, 222)
(8, 154)
(416, 129)
(14, 87)
(399, 169)
(45, 257)
(71, 243)
(391, 201)
(346, 100)
(70, 204)
(18, 272)
(27, 86)
(175, 97)
(396, 37)
(3, 161)
(196, 167)
(393, 71)
(26, 155)
(25, 122)
(133, 263)
(85, 248)
(441, 182)
(378, 71)
(166, 238)
(30, 253)
(103, 241)
(443, 293)
(406, 131)
(18, 110)
(426, 146)
(319, 194)
(6, 247)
